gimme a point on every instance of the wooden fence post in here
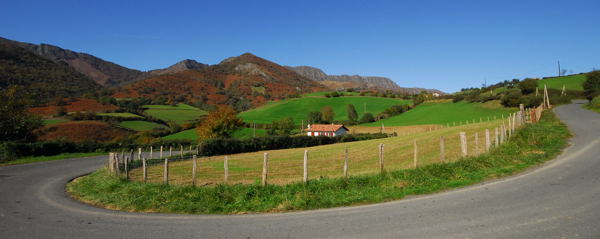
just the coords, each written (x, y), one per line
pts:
(463, 143)
(442, 149)
(117, 162)
(509, 126)
(476, 143)
(170, 151)
(109, 163)
(496, 137)
(161, 152)
(181, 150)
(305, 179)
(190, 149)
(126, 170)
(166, 172)
(151, 153)
(144, 170)
(265, 169)
(139, 154)
(502, 133)
(346, 162)
(415, 153)
(381, 162)
(194, 168)
(226, 169)
(488, 143)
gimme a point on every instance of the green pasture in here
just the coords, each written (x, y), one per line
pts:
(139, 125)
(120, 115)
(180, 113)
(572, 82)
(443, 113)
(298, 108)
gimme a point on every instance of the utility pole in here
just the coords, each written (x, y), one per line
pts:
(558, 68)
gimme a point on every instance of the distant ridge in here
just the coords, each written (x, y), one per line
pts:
(354, 81)
(102, 72)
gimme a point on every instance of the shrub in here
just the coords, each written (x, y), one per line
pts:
(595, 102)
(367, 118)
(528, 86)
(511, 99)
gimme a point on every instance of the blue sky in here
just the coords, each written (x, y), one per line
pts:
(446, 45)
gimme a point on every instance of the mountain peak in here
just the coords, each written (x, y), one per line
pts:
(184, 65)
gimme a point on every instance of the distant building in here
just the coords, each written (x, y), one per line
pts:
(435, 94)
(326, 130)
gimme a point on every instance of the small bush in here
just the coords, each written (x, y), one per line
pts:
(595, 103)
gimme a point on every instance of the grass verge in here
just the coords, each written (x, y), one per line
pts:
(590, 107)
(36, 159)
(532, 145)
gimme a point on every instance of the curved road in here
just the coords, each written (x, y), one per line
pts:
(559, 199)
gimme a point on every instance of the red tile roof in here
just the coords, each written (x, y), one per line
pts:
(325, 127)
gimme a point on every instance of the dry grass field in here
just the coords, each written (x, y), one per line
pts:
(286, 165)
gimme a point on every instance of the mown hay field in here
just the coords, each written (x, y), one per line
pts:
(286, 166)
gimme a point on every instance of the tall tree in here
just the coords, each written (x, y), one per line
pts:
(352, 115)
(328, 114)
(16, 124)
(221, 122)
(591, 86)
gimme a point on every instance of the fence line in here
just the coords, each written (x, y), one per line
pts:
(392, 156)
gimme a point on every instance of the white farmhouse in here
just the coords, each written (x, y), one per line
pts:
(326, 130)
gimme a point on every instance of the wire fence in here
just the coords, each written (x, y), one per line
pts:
(440, 145)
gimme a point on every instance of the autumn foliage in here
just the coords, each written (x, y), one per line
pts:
(219, 123)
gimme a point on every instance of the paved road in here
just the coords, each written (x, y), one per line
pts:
(560, 199)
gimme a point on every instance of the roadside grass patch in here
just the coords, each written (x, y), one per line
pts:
(547, 138)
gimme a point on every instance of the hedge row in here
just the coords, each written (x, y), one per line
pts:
(223, 146)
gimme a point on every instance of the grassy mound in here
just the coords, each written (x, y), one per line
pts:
(530, 146)
(298, 108)
(443, 113)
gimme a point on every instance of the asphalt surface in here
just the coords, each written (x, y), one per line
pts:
(560, 199)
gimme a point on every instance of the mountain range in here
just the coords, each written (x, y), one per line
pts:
(354, 81)
(244, 81)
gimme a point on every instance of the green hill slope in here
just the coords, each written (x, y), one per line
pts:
(572, 82)
(442, 113)
(298, 108)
